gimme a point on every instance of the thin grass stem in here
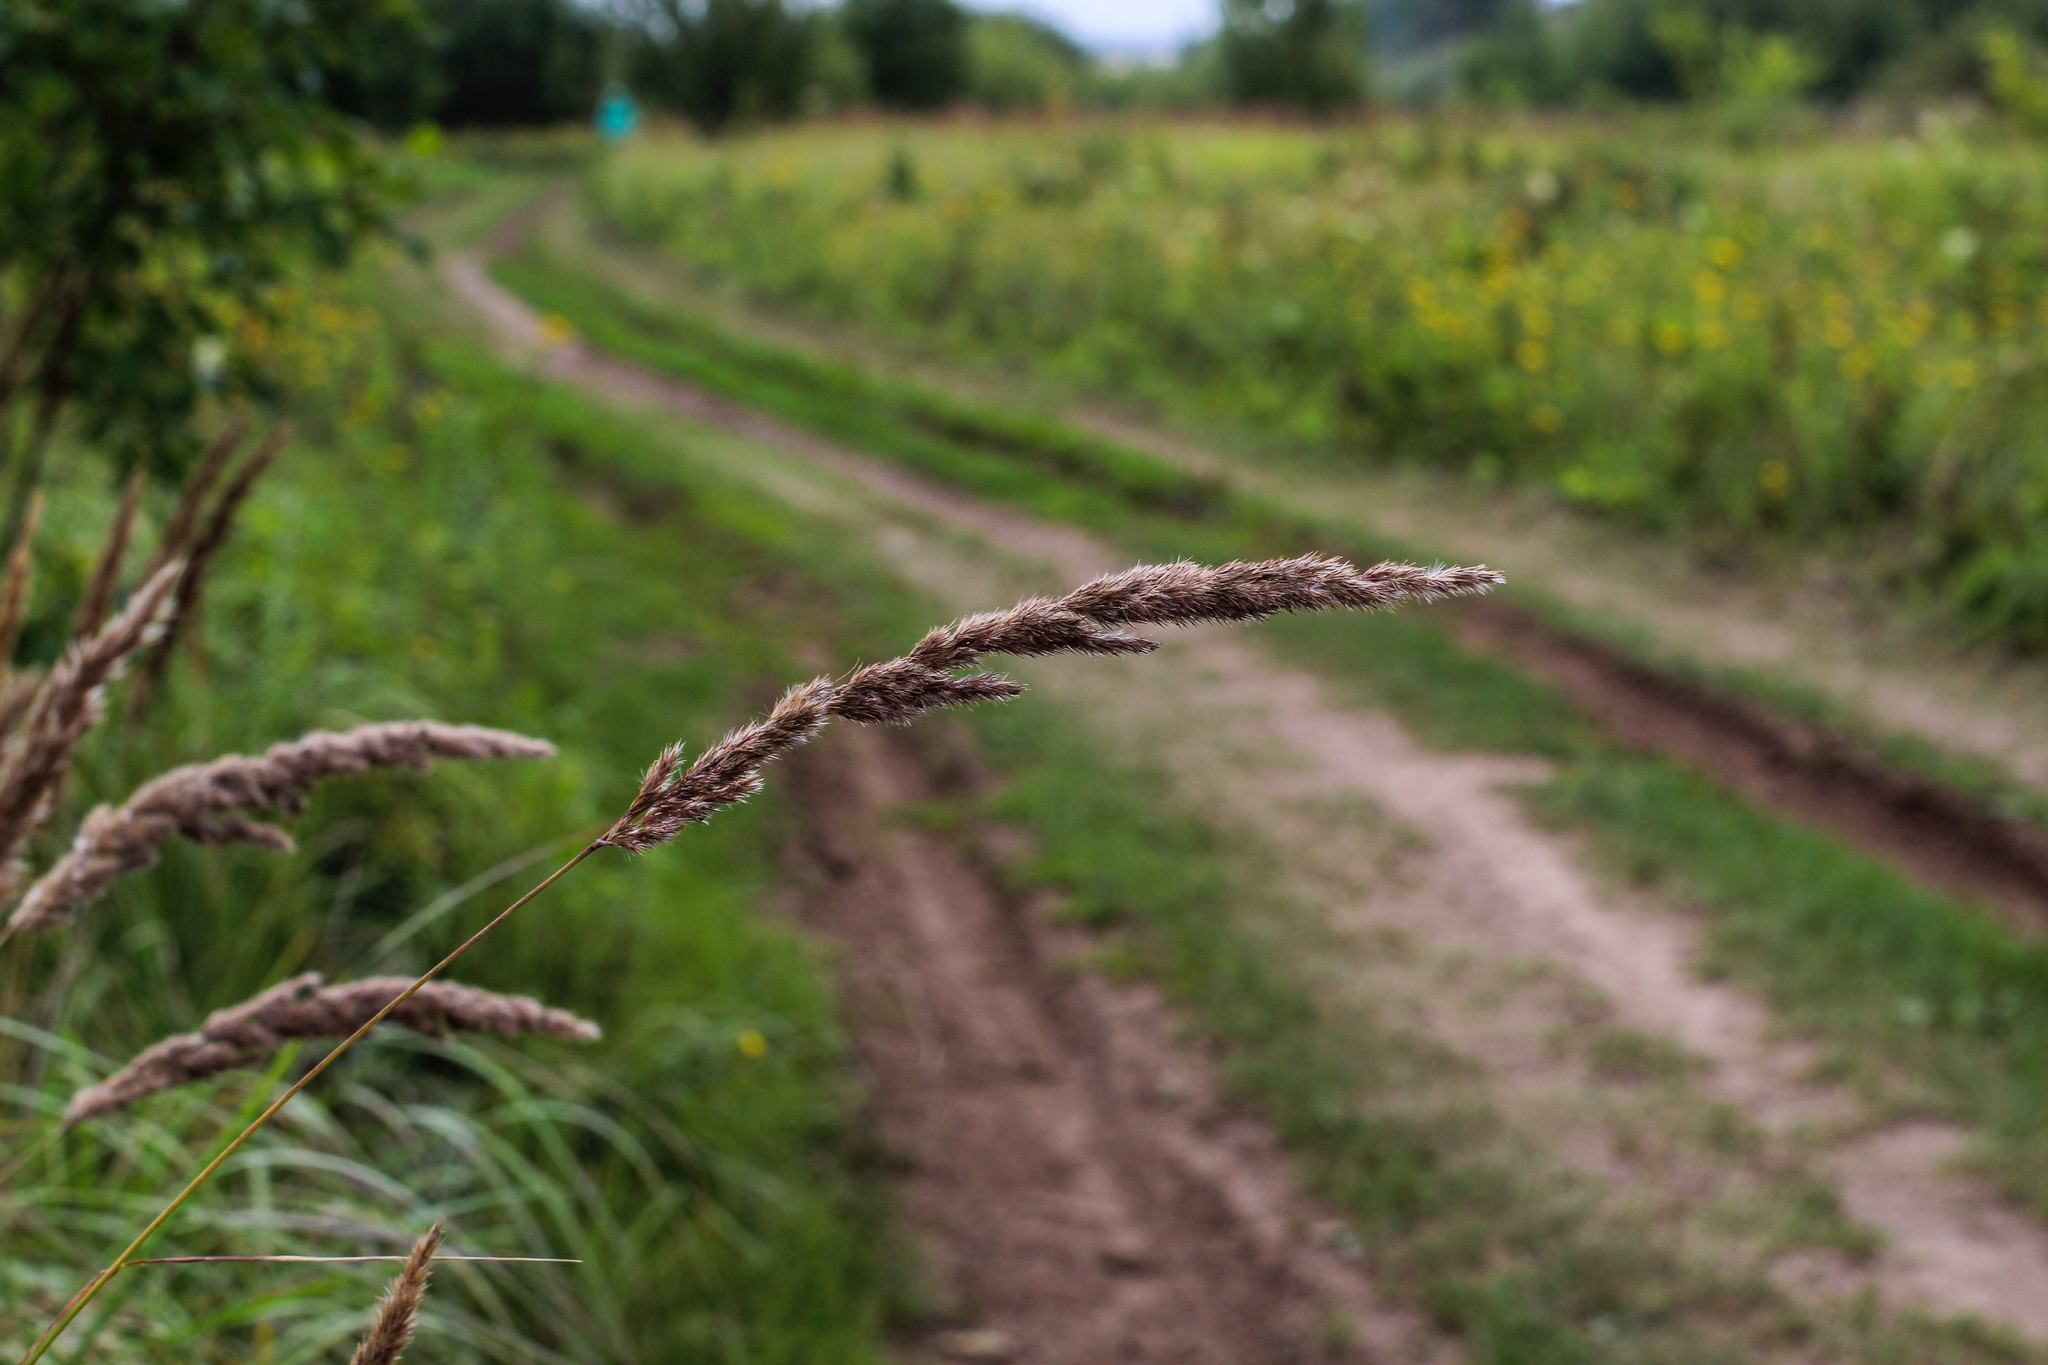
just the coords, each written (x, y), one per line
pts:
(342, 1260)
(86, 1295)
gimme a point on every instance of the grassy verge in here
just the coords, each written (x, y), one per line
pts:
(444, 539)
(1455, 1212)
(1892, 974)
(1660, 342)
(633, 296)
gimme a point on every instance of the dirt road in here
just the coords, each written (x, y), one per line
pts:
(1510, 938)
(1081, 1193)
(1949, 836)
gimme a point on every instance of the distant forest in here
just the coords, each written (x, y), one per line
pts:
(468, 63)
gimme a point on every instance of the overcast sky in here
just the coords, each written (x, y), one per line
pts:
(1127, 27)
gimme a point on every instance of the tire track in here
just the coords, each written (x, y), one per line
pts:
(1080, 1193)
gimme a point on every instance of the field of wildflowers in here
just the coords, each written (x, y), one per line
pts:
(1839, 340)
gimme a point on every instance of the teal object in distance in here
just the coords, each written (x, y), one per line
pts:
(618, 115)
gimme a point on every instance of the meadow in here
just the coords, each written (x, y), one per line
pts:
(1844, 948)
(446, 537)
(1833, 340)
(1835, 938)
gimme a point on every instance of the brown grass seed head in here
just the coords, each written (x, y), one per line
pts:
(673, 797)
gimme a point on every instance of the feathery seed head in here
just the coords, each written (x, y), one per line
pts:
(241, 1036)
(1032, 627)
(68, 705)
(209, 803)
(894, 692)
(106, 570)
(1187, 594)
(399, 1312)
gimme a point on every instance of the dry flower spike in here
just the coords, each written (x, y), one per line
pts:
(66, 707)
(209, 803)
(399, 1312)
(673, 797)
(243, 1035)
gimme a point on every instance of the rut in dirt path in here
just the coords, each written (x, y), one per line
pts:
(1487, 881)
(1079, 1193)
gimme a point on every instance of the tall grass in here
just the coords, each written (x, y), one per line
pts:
(1833, 341)
(420, 551)
(212, 803)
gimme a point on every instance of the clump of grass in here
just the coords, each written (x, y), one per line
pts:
(673, 796)
(48, 718)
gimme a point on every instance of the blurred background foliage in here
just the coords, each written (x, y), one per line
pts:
(1779, 275)
(498, 63)
(724, 63)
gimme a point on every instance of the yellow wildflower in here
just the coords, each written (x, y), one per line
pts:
(556, 330)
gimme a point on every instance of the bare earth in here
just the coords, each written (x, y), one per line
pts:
(1081, 1194)
(1510, 936)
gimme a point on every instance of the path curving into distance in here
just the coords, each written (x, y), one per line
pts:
(1477, 878)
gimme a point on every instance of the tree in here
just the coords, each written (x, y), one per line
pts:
(1516, 61)
(1409, 25)
(515, 62)
(1751, 49)
(1016, 62)
(726, 61)
(164, 164)
(474, 63)
(915, 50)
(1309, 54)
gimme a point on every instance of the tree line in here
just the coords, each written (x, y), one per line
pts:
(496, 63)
(1592, 51)
(463, 63)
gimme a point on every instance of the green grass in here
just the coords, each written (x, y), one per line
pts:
(1833, 939)
(446, 539)
(1828, 342)
(977, 444)
(1452, 1209)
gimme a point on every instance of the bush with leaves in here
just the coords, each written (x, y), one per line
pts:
(916, 50)
(163, 168)
(1307, 54)
(722, 62)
